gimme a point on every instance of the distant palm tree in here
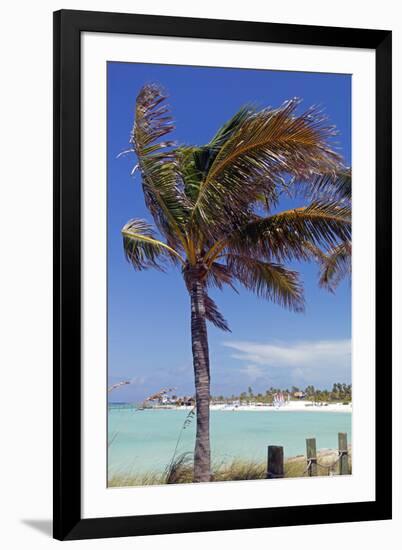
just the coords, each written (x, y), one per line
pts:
(212, 208)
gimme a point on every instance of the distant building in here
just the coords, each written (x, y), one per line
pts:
(299, 395)
(184, 401)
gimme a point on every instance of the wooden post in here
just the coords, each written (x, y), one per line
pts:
(311, 456)
(275, 462)
(343, 454)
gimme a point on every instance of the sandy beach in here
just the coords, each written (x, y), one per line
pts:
(289, 406)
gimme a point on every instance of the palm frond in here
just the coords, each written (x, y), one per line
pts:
(267, 143)
(213, 314)
(152, 121)
(336, 266)
(195, 162)
(290, 234)
(331, 185)
(190, 168)
(142, 249)
(218, 275)
(156, 161)
(268, 280)
(230, 127)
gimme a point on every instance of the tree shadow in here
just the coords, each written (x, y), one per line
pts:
(44, 526)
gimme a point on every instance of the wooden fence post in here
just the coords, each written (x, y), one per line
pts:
(343, 454)
(275, 462)
(311, 456)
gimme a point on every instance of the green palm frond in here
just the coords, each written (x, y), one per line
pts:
(229, 129)
(195, 162)
(336, 265)
(268, 280)
(142, 249)
(267, 143)
(290, 234)
(190, 169)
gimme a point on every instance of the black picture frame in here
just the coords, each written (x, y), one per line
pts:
(68, 26)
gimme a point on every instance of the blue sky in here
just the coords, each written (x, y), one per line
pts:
(149, 312)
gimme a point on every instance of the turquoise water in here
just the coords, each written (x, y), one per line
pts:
(144, 441)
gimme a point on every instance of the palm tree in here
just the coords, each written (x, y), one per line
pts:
(212, 210)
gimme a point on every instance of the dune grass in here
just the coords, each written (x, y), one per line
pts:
(181, 470)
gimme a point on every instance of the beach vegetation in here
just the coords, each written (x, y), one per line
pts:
(340, 392)
(181, 470)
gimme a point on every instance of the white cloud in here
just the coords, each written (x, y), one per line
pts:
(253, 372)
(298, 355)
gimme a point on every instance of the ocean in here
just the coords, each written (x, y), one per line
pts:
(144, 441)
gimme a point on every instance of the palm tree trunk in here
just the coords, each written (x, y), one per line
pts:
(199, 337)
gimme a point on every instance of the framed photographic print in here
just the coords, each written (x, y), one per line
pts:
(222, 354)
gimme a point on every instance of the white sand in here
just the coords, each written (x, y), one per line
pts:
(290, 406)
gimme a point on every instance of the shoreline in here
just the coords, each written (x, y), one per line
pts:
(290, 406)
